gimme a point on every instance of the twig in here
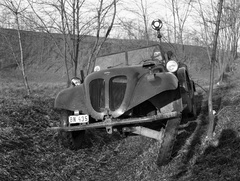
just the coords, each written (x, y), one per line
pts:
(201, 87)
(222, 110)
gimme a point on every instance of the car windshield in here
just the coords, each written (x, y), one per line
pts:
(132, 57)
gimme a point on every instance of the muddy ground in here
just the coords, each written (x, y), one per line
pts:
(29, 151)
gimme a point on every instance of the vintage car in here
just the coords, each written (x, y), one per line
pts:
(138, 92)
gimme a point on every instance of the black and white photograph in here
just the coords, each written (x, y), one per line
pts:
(119, 90)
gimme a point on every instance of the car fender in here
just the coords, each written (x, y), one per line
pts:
(150, 86)
(182, 77)
(71, 99)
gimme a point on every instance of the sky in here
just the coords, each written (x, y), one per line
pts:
(157, 9)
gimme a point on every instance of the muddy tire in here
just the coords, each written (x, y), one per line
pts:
(194, 108)
(72, 140)
(169, 137)
(193, 113)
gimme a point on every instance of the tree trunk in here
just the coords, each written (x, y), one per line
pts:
(174, 21)
(98, 45)
(65, 42)
(144, 14)
(22, 58)
(65, 61)
(213, 60)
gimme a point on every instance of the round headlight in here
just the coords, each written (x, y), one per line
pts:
(76, 81)
(97, 68)
(172, 66)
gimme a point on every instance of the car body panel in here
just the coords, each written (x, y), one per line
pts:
(78, 98)
(71, 99)
(146, 89)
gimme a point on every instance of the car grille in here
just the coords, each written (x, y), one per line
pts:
(97, 94)
(117, 89)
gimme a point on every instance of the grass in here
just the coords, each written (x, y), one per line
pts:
(28, 151)
(223, 161)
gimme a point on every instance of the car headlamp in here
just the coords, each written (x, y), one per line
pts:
(75, 81)
(97, 68)
(172, 66)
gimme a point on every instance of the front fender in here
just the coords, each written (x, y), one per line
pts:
(150, 87)
(72, 98)
(183, 77)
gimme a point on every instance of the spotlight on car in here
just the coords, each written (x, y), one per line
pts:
(172, 66)
(157, 24)
(75, 81)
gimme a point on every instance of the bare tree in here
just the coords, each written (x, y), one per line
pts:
(71, 30)
(66, 19)
(69, 19)
(229, 37)
(213, 60)
(129, 26)
(15, 7)
(174, 21)
(5, 19)
(206, 28)
(140, 9)
(44, 26)
(182, 19)
(180, 10)
(102, 12)
(228, 32)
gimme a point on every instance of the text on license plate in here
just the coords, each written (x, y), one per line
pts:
(78, 119)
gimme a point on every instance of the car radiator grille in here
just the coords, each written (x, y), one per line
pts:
(117, 89)
(97, 94)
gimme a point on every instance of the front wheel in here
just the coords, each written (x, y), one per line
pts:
(193, 101)
(70, 139)
(169, 137)
(194, 108)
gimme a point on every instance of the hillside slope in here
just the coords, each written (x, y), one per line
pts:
(44, 60)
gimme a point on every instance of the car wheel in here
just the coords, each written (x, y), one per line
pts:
(169, 137)
(70, 139)
(194, 108)
(193, 102)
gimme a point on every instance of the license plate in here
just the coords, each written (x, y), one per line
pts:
(78, 119)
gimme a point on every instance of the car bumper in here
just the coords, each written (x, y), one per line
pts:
(119, 122)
